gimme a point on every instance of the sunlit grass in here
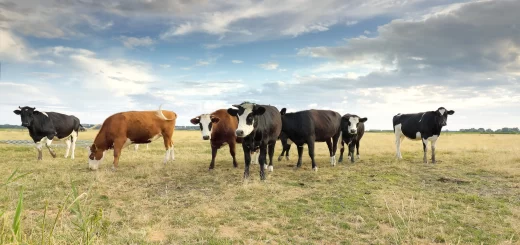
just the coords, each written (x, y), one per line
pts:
(376, 200)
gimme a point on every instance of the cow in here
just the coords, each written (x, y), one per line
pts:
(219, 128)
(352, 130)
(286, 146)
(425, 126)
(44, 127)
(259, 126)
(310, 126)
(133, 127)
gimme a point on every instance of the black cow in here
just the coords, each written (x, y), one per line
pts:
(46, 126)
(425, 126)
(307, 127)
(286, 146)
(352, 130)
(260, 126)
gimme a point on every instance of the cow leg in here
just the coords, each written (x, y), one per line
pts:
(329, 145)
(351, 148)
(425, 149)
(287, 152)
(247, 160)
(48, 145)
(118, 147)
(39, 146)
(281, 155)
(433, 151)
(335, 140)
(310, 144)
(213, 156)
(68, 142)
(398, 144)
(357, 149)
(168, 145)
(232, 151)
(270, 151)
(300, 153)
(172, 152)
(262, 158)
(136, 147)
(341, 151)
(74, 139)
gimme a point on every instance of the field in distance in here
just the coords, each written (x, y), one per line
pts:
(471, 196)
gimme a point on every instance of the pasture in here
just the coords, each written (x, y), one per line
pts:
(471, 196)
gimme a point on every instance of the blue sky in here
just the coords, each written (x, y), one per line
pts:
(374, 58)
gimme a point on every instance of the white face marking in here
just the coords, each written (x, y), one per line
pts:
(94, 164)
(242, 124)
(205, 120)
(442, 111)
(352, 128)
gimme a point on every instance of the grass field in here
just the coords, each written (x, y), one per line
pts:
(471, 196)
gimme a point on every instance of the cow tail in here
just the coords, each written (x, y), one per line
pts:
(161, 115)
(81, 128)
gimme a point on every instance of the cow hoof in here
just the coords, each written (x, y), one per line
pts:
(113, 169)
(287, 157)
(315, 169)
(210, 170)
(271, 168)
(358, 157)
(280, 158)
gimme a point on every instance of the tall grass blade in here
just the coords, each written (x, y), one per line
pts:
(17, 228)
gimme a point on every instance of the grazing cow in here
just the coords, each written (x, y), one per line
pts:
(309, 126)
(46, 126)
(133, 127)
(259, 126)
(425, 126)
(352, 130)
(286, 146)
(219, 128)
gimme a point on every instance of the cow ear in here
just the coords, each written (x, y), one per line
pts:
(259, 111)
(17, 112)
(232, 112)
(195, 120)
(283, 111)
(364, 119)
(215, 119)
(451, 112)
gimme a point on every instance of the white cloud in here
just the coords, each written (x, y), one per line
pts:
(133, 42)
(269, 65)
(12, 47)
(165, 66)
(237, 61)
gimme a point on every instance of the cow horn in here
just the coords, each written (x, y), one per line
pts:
(19, 107)
(236, 106)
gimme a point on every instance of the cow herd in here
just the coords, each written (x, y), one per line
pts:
(256, 127)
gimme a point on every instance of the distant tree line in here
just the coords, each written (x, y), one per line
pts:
(490, 131)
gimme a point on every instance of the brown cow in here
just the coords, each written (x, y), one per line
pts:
(219, 128)
(133, 127)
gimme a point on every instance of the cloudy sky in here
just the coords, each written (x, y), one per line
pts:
(375, 58)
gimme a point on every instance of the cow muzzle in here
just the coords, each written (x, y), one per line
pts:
(239, 133)
(205, 137)
(353, 131)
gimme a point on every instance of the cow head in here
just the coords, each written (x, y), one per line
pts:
(247, 114)
(350, 123)
(205, 121)
(441, 116)
(96, 155)
(27, 115)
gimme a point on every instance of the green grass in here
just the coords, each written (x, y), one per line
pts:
(377, 200)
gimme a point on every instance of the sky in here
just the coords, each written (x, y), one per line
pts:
(373, 58)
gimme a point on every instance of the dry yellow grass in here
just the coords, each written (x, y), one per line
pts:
(377, 200)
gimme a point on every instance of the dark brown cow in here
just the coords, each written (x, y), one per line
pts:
(133, 127)
(219, 128)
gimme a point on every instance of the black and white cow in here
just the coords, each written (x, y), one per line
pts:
(46, 126)
(352, 130)
(310, 126)
(425, 126)
(259, 126)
